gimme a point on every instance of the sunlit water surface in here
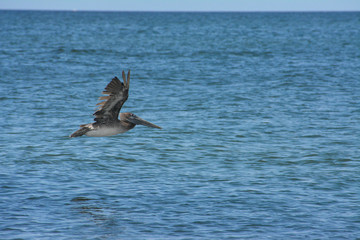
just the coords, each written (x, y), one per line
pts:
(260, 115)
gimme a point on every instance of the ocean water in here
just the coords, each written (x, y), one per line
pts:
(260, 115)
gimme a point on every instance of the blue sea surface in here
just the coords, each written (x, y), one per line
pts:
(260, 115)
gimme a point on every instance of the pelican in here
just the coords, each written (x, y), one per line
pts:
(106, 117)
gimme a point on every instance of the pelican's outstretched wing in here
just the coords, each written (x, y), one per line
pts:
(118, 93)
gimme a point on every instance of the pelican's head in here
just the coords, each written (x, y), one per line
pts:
(130, 117)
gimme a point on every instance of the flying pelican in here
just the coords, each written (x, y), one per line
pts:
(106, 117)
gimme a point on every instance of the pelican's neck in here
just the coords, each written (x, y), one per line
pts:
(127, 125)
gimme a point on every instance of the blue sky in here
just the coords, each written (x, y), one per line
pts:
(184, 5)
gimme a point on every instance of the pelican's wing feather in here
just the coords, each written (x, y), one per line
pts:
(118, 93)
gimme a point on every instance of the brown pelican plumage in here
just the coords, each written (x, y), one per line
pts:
(106, 117)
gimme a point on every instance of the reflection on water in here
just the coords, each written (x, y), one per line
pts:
(87, 207)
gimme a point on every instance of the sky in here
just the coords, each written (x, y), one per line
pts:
(183, 5)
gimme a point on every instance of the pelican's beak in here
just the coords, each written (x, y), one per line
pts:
(139, 121)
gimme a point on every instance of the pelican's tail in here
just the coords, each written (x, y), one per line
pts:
(80, 132)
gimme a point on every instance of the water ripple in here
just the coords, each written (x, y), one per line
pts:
(259, 113)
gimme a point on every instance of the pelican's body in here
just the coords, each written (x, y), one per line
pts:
(106, 118)
(104, 130)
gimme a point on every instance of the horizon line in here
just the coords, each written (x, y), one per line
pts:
(188, 11)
